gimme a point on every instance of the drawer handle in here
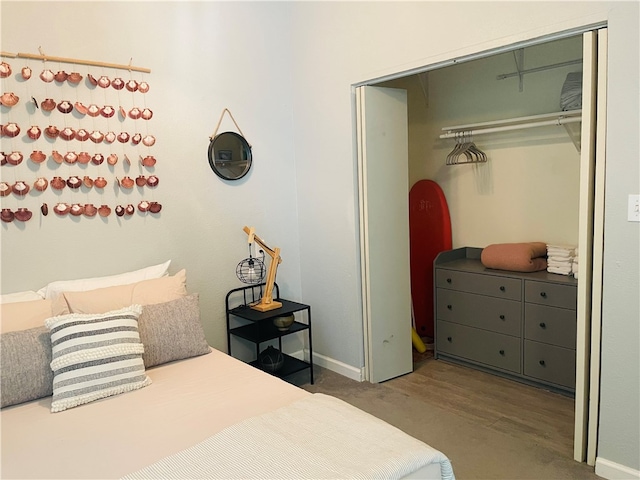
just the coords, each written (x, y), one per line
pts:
(543, 325)
(502, 352)
(450, 307)
(502, 289)
(449, 339)
(448, 280)
(501, 317)
(541, 362)
(543, 294)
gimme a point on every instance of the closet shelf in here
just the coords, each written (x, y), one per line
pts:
(558, 118)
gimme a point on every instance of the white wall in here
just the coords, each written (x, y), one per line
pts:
(340, 44)
(619, 439)
(203, 57)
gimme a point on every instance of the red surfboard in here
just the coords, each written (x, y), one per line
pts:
(429, 234)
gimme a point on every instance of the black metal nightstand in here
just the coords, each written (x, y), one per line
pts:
(259, 328)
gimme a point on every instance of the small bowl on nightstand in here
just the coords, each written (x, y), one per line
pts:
(284, 323)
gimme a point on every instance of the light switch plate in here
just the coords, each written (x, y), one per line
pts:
(633, 213)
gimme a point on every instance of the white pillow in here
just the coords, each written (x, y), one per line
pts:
(25, 296)
(54, 289)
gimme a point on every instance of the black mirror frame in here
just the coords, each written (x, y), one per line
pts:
(212, 159)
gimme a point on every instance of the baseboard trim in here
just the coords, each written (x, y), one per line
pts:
(332, 364)
(614, 471)
(343, 369)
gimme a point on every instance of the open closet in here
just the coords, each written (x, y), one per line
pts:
(510, 137)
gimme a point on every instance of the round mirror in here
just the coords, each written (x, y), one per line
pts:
(229, 156)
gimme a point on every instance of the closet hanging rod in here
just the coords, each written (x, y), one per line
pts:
(538, 69)
(84, 62)
(560, 118)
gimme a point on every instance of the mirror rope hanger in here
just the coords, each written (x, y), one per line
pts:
(215, 132)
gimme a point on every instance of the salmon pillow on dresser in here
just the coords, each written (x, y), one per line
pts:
(516, 257)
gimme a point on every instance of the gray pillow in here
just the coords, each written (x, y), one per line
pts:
(25, 375)
(172, 331)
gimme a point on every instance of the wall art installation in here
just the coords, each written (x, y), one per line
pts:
(76, 138)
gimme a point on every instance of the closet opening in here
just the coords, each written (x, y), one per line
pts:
(522, 108)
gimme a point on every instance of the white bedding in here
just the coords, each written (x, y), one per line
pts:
(317, 437)
(188, 401)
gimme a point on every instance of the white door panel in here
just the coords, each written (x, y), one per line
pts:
(384, 226)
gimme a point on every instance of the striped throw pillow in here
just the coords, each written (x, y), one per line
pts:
(95, 356)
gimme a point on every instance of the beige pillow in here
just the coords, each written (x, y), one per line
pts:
(24, 315)
(160, 290)
(101, 300)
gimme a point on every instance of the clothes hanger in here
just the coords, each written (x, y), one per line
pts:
(465, 151)
(479, 155)
(458, 150)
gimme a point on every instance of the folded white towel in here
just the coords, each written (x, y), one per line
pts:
(559, 257)
(561, 247)
(556, 263)
(561, 250)
(559, 270)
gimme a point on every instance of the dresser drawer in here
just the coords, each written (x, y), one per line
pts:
(488, 313)
(554, 295)
(492, 349)
(549, 363)
(495, 286)
(556, 326)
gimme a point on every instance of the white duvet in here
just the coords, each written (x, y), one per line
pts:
(319, 437)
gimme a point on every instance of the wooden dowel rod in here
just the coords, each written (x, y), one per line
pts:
(84, 62)
(8, 54)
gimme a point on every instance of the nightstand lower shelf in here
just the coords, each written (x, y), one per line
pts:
(291, 365)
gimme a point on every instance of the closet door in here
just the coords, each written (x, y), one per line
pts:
(590, 244)
(383, 172)
(598, 248)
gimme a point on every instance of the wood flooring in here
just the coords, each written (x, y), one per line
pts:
(490, 427)
(500, 404)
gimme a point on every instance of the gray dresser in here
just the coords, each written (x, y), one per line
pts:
(518, 325)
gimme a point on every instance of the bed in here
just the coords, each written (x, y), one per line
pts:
(199, 413)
